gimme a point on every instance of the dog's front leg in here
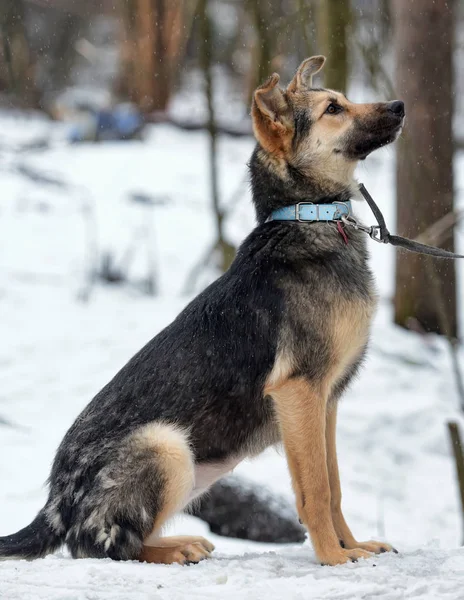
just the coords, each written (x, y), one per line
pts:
(301, 410)
(342, 530)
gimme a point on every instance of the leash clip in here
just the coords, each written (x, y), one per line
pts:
(353, 222)
(373, 231)
(376, 235)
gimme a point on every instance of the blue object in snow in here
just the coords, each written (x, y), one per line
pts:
(120, 123)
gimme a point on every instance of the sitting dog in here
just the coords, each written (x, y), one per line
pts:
(259, 357)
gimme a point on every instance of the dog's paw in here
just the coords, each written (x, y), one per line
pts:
(183, 550)
(342, 556)
(191, 553)
(376, 547)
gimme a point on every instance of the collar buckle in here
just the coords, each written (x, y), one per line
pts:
(297, 211)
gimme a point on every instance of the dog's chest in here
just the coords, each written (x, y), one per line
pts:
(326, 325)
(349, 333)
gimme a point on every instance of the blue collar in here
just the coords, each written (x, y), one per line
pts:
(307, 211)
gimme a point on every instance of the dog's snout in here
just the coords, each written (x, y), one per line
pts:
(396, 107)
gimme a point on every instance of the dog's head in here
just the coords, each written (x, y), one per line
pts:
(319, 132)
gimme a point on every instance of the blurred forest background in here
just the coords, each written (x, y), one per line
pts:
(116, 70)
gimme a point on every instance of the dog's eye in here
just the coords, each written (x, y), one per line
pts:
(333, 109)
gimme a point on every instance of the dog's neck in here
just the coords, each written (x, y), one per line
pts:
(277, 185)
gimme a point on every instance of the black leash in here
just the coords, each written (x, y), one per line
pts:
(380, 233)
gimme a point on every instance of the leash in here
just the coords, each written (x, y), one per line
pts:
(379, 233)
(341, 212)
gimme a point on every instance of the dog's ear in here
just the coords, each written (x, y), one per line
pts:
(271, 115)
(303, 79)
(270, 101)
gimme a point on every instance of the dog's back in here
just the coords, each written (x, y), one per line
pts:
(261, 353)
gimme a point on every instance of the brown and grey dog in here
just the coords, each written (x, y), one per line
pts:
(261, 356)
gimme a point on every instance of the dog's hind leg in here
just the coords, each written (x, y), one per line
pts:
(177, 493)
(147, 479)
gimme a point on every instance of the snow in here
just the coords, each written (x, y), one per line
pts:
(57, 351)
(284, 573)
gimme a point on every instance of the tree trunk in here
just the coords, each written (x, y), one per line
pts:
(17, 69)
(456, 445)
(333, 23)
(60, 49)
(226, 250)
(262, 51)
(425, 288)
(154, 32)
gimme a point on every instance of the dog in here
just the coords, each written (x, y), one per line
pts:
(259, 357)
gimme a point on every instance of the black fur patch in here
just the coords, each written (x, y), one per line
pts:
(204, 373)
(302, 127)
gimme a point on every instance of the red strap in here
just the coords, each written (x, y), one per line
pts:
(341, 231)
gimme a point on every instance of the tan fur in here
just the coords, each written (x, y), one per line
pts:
(350, 331)
(283, 367)
(176, 460)
(301, 409)
(272, 122)
(182, 477)
(341, 528)
(179, 549)
(305, 417)
(304, 76)
(317, 155)
(274, 164)
(308, 423)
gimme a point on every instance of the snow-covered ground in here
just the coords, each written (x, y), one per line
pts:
(57, 351)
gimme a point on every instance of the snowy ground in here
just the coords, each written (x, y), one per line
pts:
(286, 573)
(58, 351)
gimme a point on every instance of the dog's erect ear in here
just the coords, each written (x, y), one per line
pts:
(303, 79)
(270, 101)
(271, 115)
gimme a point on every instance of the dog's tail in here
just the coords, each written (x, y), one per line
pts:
(34, 541)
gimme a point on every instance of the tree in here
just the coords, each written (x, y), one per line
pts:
(425, 289)
(263, 49)
(153, 40)
(17, 66)
(226, 250)
(333, 23)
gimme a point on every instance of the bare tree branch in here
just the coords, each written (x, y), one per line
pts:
(456, 445)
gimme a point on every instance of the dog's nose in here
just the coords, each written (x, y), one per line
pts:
(396, 107)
